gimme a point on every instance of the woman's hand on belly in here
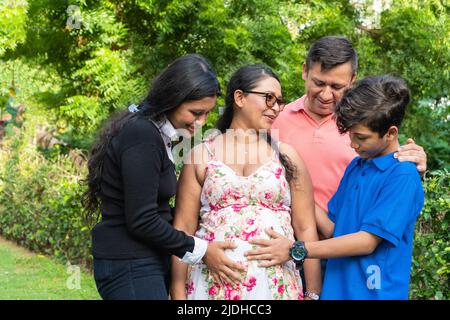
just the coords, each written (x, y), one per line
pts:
(220, 266)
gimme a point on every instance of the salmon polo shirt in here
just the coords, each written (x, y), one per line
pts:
(324, 150)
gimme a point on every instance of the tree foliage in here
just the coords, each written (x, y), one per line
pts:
(108, 51)
(13, 19)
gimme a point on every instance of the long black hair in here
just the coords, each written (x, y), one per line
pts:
(246, 79)
(188, 78)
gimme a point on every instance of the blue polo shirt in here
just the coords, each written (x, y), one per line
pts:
(381, 196)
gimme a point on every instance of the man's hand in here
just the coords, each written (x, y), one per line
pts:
(274, 251)
(414, 153)
(220, 266)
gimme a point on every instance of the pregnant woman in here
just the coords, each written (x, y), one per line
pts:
(235, 186)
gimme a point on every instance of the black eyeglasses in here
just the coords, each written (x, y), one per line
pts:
(270, 99)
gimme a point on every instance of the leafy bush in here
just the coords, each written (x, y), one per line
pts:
(431, 255)
(432, 117)
(13, 19)
(40, 202)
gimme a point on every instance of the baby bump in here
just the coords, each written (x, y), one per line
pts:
(276, 282)
(242, 224)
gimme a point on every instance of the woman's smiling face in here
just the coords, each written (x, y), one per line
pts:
(192, 115)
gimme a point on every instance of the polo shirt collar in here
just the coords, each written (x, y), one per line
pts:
(299, 104)
(382, 163)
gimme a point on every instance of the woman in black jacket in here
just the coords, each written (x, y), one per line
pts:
(131, 179)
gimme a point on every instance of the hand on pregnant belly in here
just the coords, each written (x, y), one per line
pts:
(220, 265)
(271, 252)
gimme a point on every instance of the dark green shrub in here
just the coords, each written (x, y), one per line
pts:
(431, 255)
(40, 203)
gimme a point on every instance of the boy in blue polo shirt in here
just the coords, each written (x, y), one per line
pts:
(373, 213)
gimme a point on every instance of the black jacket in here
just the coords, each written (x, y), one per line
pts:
(138, 179)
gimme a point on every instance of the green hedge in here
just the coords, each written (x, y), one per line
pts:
(39, 203)
(40, 209)
(431, 255)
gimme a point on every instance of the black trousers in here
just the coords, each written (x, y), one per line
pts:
(134, 279)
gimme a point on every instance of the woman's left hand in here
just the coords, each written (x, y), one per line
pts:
(273, 252)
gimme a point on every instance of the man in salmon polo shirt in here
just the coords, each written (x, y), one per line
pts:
(307, 124)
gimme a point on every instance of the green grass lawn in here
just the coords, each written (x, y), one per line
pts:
(28, 276)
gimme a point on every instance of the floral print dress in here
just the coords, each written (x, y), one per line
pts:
(239, 208)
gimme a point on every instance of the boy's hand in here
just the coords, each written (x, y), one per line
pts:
(414, 153)
(325, 227)
(274, 251)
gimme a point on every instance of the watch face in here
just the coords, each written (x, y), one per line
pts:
(298, 253)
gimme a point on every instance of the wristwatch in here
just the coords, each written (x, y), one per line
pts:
(298, 253)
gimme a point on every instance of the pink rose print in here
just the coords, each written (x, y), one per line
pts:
(235, 194)
(228, 290)
(210, 237)
(213, 207)
(190, 287)
(212, 291)
(300, 296)
(232, 293)
(268, 196)
(278, 173)
(265, 205)
(275, 281)
(250, 283)
(238, 207)
(247, 235)
(278, 207)
(274, 207)
(250, 221)
(281, 289)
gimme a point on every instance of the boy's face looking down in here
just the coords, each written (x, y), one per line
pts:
(325, 88)
(368, 144)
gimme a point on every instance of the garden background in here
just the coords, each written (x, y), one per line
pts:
(66, 65)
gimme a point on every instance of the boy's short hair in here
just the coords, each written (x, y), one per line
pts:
(331, 51)
(376, 102)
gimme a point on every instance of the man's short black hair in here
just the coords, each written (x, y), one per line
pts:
(331, 51)
(376, 102)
